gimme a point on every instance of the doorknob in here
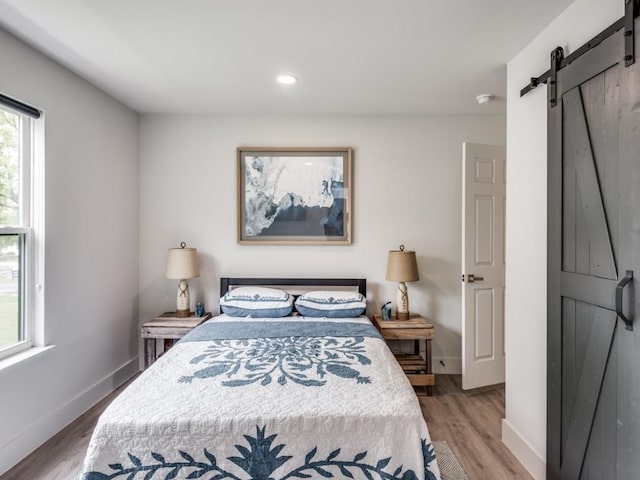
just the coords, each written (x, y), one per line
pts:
(471, 278)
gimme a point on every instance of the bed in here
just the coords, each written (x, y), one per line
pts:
(268, 398)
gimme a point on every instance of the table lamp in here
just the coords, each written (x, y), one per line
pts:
(182, 264)
(402, 267)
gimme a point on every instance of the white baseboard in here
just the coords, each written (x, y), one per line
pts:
(452, 365)
(47, 426)
(524, 452)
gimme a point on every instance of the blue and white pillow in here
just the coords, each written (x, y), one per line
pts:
(331, 304)
(257, 302)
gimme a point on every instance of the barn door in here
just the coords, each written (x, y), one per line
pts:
(594, 245)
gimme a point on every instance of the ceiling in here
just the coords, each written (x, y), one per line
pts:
(352, 57)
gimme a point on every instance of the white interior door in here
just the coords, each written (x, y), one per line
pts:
(483, 214)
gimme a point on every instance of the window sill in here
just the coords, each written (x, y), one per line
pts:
(20, 360)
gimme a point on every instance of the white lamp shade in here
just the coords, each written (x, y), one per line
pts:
(182, 263)
(402, 266)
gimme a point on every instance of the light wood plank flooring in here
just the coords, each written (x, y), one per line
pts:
(469, 422)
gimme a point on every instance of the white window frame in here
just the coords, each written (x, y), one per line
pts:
(31, 211)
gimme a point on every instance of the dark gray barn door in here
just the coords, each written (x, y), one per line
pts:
(593, 361)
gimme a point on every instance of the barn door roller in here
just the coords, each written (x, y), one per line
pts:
(631, 10)
(630, 7)
(557, 54)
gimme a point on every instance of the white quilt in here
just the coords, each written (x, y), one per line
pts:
(267, 399)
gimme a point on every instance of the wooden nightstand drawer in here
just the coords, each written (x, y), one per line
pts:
(408, 334)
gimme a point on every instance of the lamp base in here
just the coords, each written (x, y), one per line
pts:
(402, 302)
(182, 300)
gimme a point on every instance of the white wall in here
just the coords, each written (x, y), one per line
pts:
(91, 274)
(524, 429)
(407, 189)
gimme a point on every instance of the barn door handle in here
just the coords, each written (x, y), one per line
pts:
(619, 290)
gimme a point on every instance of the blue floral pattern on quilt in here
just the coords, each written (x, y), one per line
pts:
(259, 459)
(307, 361)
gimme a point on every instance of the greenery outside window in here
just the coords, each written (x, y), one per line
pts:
(17, 286)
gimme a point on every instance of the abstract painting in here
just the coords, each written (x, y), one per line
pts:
(294, 195)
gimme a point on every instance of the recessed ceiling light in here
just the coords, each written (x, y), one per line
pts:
(287, 79)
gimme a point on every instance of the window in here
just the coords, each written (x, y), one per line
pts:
(17, 251)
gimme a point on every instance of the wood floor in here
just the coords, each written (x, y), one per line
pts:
(469, 422)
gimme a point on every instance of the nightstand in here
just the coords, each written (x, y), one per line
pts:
(168, 327)
(417, 368)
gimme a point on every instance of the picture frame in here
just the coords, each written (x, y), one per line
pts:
(294, 195)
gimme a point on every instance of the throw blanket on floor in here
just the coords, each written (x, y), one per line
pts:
(263, 399)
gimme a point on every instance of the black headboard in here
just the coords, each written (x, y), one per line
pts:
(361, 283)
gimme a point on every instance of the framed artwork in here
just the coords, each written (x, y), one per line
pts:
(294, 196)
